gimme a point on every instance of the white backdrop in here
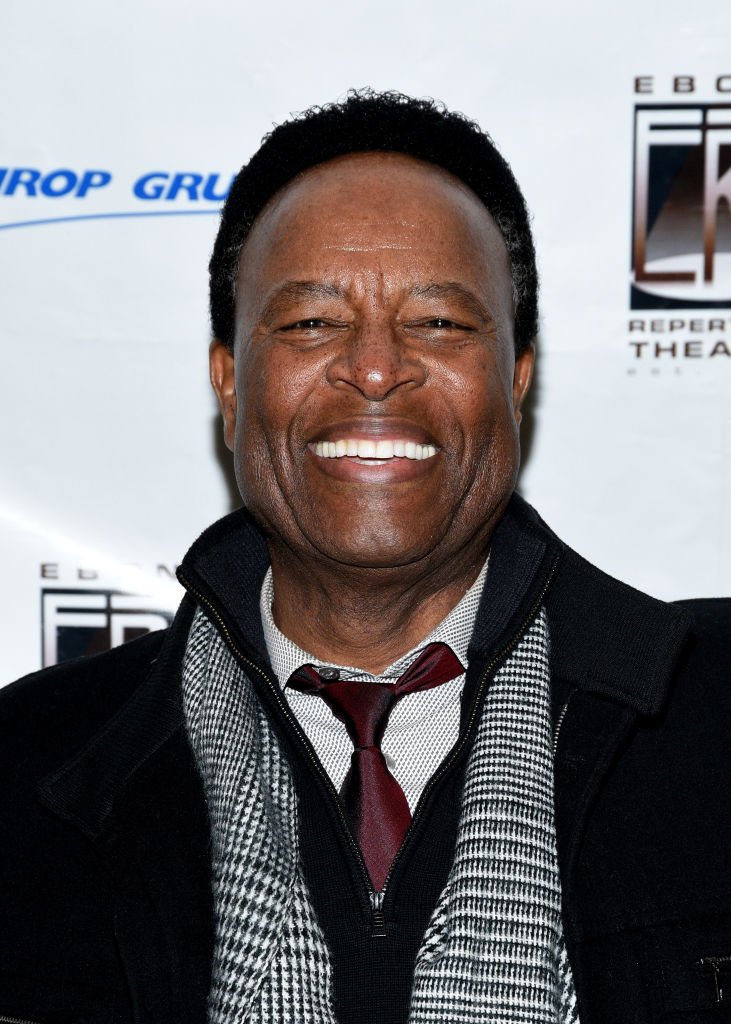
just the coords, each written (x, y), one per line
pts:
(110, 459)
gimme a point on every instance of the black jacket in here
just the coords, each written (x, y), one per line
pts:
(105, 891)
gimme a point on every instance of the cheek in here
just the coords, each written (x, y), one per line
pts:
(275, 384)
(478, 401)
(482, 413)
(262, 391)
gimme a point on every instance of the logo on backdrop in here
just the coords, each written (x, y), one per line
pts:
(43, 195)
(681, 235)
(680, 263)
(76, 622)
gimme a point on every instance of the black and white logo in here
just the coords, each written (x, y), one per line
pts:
(76, 622)
(681, 244)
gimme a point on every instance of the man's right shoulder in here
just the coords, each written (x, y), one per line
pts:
(50, 714)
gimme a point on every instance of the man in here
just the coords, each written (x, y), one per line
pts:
(403, 755)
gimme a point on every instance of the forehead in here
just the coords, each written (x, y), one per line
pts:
(366, 202)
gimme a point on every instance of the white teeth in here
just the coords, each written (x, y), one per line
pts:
(366, 449)
(381, 450)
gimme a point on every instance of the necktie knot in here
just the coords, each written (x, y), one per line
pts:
(374, 801)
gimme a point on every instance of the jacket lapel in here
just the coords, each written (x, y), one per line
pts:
(135, 794)
(614, 653)
(158, 853)
(590, 736)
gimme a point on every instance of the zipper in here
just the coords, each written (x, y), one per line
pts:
(376, 899)
(378, 921)
(715, 963)
(559, 723)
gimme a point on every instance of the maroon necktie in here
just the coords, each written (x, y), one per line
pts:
(374, 802)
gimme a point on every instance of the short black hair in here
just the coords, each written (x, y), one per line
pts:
(367, 121)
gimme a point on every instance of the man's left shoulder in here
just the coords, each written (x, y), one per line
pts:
(710, 614)
(709, 639)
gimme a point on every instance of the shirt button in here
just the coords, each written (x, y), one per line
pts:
(329, 673)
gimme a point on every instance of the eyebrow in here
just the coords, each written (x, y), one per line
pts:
(292, 290)
(452, 290)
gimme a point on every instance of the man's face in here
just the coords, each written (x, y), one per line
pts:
(373, 398)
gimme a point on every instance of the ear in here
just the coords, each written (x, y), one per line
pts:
(223, 381)
(522, 378)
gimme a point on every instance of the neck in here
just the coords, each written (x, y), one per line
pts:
(366, 617)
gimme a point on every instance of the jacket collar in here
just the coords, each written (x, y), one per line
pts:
(225, 568)
(606, 637)
(612, 640)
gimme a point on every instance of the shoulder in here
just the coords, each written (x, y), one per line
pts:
(617, 641)
(708, 652)
(48, 715)
(710, 615)
(612, 639)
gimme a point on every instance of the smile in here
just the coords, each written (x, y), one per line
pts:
(382, 450)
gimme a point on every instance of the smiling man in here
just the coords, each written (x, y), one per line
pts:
(403, 756)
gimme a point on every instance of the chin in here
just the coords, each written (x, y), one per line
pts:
(377, 548)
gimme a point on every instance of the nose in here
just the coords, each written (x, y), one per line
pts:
(376, 362)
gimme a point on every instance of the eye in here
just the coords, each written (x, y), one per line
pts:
(439, 330)
(305, 325)
(442, 323)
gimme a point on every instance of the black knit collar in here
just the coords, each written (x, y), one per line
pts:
(605, 636)
(225, 569)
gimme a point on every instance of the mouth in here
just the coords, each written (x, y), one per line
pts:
(370, 451)
(375, 449)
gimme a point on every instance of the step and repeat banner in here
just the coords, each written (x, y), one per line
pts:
(120, 134)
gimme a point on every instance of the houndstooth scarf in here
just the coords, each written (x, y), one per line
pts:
(493, 951)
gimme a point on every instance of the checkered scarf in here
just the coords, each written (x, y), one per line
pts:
(493, 951)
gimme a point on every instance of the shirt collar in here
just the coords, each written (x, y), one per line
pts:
(455, 630)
